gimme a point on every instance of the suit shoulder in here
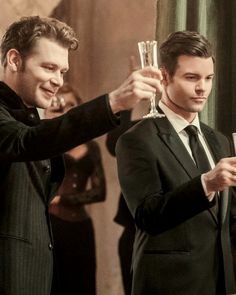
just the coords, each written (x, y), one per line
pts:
(139, 134)
(141, 128)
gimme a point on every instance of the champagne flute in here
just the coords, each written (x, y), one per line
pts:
(148, 57)
(234, 141)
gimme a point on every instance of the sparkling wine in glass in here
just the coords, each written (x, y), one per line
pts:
(148, 57)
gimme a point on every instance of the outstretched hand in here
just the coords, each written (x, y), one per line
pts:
(141, 84)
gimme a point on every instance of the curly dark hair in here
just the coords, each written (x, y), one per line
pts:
(22, 35)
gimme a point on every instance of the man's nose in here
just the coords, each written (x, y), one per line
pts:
(200, 86)
(57, 79)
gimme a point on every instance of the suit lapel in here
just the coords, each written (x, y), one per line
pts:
(213, 143)
(217, 153)
(171, 139)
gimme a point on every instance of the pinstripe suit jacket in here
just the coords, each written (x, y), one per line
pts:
(180, 246)
(31, 169)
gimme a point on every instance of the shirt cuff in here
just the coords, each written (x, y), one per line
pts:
(210, 195)
(115, 118)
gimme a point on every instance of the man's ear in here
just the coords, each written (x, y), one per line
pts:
(165, 76)
(13, 60)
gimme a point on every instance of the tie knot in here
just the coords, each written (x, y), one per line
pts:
(191, 130)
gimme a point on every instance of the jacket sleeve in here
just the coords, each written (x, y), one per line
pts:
(21, 142)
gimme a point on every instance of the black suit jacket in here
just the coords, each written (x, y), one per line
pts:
(180, 246)
(31, 170)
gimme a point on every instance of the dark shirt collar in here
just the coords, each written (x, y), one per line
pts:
(15, 106)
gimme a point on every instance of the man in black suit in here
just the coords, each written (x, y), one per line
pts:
(184, 213)
(34, 53)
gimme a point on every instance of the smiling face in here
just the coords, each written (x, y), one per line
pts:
(37, 77)
(186, 92)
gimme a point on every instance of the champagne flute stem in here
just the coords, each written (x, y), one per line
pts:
(153, 103)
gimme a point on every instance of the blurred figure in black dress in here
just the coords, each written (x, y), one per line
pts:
(84, 183)
(123, 216)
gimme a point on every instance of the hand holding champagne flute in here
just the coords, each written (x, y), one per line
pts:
(148, 57)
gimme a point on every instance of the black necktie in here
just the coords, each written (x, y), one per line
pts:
(198, 151)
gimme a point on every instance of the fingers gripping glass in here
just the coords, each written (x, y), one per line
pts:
(148, 57)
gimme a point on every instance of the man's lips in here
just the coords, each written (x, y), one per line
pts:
(50, 92)
(199, 98)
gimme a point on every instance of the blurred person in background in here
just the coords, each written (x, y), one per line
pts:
(123, 216)
(73, 231)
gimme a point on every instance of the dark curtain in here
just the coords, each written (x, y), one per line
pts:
(216, 20)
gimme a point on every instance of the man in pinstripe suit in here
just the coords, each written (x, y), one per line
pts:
(34, 55)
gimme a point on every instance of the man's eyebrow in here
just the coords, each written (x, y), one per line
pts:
(196, 74)
(48, 63)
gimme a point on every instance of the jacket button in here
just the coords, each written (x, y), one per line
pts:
(46, 169)
(50, 246)
(31, 116)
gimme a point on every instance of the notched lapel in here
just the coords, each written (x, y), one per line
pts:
(171, 139)
(217, 153)
(213, 143)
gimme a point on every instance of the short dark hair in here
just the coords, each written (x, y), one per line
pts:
(183, 43)
(22, 35)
